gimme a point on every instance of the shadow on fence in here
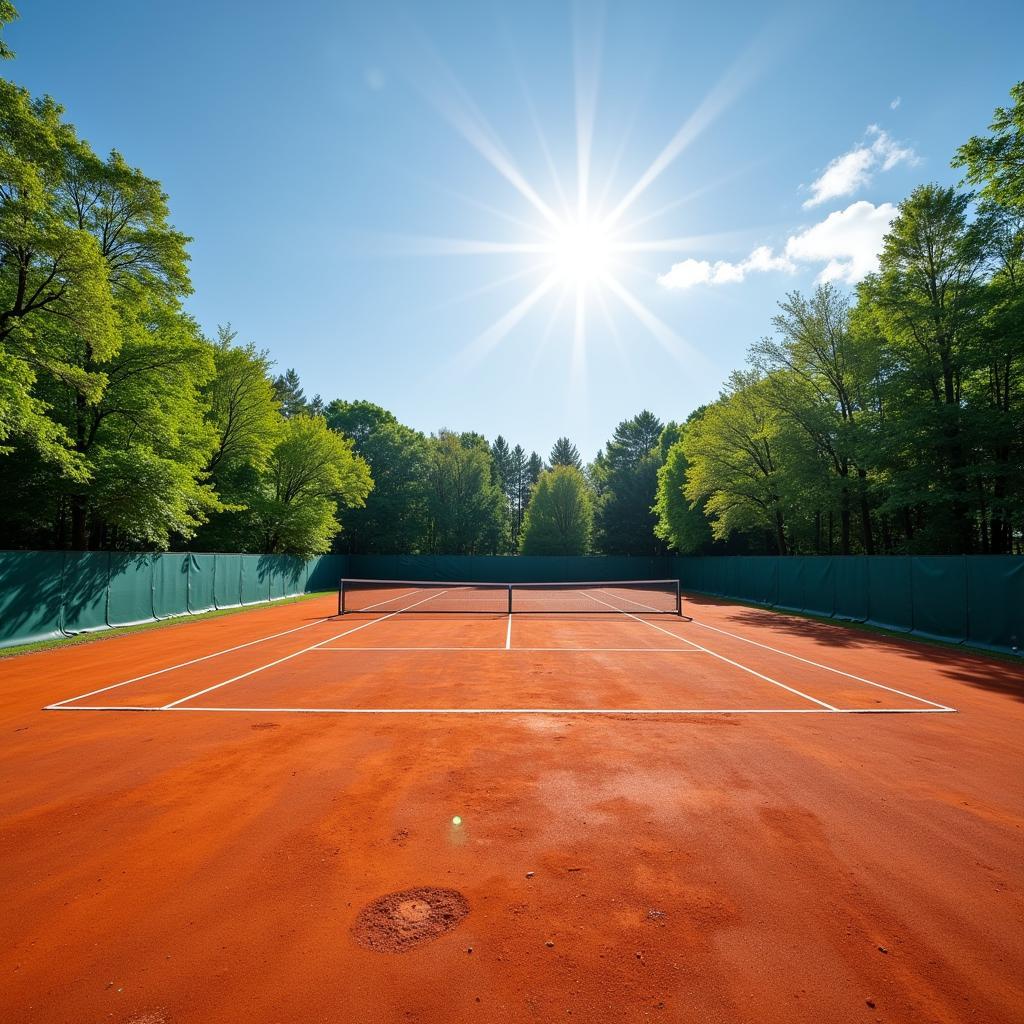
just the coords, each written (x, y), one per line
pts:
(45, 595)
(977, 600)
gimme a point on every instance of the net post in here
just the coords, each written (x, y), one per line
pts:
(341, 596)
(510, 599)
(679, 599)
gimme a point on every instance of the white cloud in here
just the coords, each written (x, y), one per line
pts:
(847, 242)
(895, 103)
(854, 169)
(688, 273)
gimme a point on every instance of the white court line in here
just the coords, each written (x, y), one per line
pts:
(508, 634)
(592, 650)
(205, 657)
(721, 657)
(818, 665)
(827, 668)
(295, 654)
(521, 711)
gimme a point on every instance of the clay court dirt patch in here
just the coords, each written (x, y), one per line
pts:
(401, 920)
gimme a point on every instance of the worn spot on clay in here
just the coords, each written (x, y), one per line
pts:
(401, 920)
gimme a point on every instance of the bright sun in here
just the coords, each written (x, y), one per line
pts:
(580, 251)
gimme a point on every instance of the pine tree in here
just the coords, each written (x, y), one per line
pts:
(519, 491)
(288, 391)
(565, 453)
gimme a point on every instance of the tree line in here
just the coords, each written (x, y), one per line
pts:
(889, 420)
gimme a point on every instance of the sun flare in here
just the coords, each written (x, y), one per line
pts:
(580, 251)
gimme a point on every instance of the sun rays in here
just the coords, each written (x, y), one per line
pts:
(574, 244)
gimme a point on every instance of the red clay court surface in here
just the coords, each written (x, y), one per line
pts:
(744, 817)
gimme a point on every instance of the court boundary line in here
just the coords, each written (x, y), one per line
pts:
(288, 657)
(722, 657)
(57, 706)
(816, 664)
(828, 668)
(515, 711)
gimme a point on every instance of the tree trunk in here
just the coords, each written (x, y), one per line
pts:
(780, 533)
(865, 513)
(79, 540)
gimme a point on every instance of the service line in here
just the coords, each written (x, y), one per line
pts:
(295, 654)
(721, 657)
(205, 657)
(816, 664)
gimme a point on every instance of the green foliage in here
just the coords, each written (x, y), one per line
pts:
(996, 161)
(289, 394)
(54, 281)
(310, 471)
(733, 457)
(394, 519)
(680, 525)
(7, 15)
(625, 478)
(465, 505)
(560, 518)
(565, 453)
(243, 409)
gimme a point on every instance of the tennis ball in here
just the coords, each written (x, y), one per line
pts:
(456, 820)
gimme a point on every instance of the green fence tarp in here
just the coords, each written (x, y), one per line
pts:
(84, 600)
(850, 574)
(227, 588)
(791, 584)
(170, 585)
(45, 595)
(939, 594)
(507, 568)
(995, 601)
(31, 584)
(254, 587)
(130, 594)
(890, 593)
(973, 599)
(819, 586)
(202, 583)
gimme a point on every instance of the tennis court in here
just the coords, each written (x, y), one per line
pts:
(583, 801)
(475, 648)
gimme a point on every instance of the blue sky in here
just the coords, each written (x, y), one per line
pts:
(388, 197)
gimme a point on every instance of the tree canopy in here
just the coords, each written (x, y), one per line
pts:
(559, 518)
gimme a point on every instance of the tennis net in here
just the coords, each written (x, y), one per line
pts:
(639, 597)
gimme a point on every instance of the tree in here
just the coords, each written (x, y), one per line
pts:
(534, 468)
(559, 519)
(565, 453)
(465, 505)
(7, 15)
(625, 477)
(54, 281)
(925, 304)
(682, 526)
(311, 470)
(733, 457)
(519, 491)
(288, 391)
(394, 519)
(242, 408)
(996, 161)
(820, 376)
